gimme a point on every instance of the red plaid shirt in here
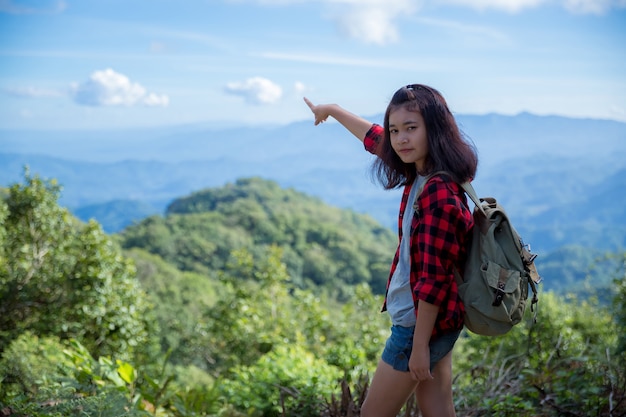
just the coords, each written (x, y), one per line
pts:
(440, 233)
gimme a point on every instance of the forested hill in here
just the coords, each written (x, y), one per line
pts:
(322, 245)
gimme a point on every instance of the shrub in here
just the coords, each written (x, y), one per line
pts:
(288, 381)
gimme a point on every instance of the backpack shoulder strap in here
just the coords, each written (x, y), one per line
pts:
(467, 187)
(429, 176)
(469, 190)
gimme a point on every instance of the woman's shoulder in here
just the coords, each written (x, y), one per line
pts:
(376, 130)
(442, 180)
(440, 189)
(373, 137)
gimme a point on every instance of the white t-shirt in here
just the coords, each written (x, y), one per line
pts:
(399, 297)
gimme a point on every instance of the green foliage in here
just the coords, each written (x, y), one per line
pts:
(80, 385)
(359, 332)
(43, 377)
(181, 302)
(240, 331)
(558, 366)
(322, 245)
(287, 381)
(252, 318)
(60, 277)
(29, 363)
(246, 322)
(258, 311)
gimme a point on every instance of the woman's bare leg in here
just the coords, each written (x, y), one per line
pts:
(434, 396)
(388, 392)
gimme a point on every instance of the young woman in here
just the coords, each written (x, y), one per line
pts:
(421, 149)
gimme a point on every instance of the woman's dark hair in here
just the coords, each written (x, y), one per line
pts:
(448, 149)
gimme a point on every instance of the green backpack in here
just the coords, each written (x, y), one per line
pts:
(499, 271)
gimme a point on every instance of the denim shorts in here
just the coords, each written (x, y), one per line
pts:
(399, 345)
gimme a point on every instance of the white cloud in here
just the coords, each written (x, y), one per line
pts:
(25, 7)
(372, 21)
(300, 88)
(370, 25)
(155, 100)
(256, 90)
(109, 88)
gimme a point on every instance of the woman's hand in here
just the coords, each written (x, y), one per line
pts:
(321, 111)
(419, 363)
(355, 124)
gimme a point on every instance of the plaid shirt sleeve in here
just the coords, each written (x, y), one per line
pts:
(372, 138)
(438, 246)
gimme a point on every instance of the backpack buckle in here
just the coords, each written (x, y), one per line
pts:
(529, 264)
(499, 294)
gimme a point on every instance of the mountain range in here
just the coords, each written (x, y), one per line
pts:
(562, 180)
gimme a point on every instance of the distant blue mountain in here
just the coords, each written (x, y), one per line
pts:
(560, 179)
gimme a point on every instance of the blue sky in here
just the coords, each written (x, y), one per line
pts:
(112, 63)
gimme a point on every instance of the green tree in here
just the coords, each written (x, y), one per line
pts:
(60, 277)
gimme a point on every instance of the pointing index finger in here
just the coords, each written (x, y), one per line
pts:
(308, 103)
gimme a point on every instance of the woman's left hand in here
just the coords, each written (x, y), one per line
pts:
(419, 363)
(320, 111)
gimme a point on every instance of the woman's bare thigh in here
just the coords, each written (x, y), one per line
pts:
(388, 392)
(434, 396)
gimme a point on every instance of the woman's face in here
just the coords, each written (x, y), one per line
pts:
(408, 136)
